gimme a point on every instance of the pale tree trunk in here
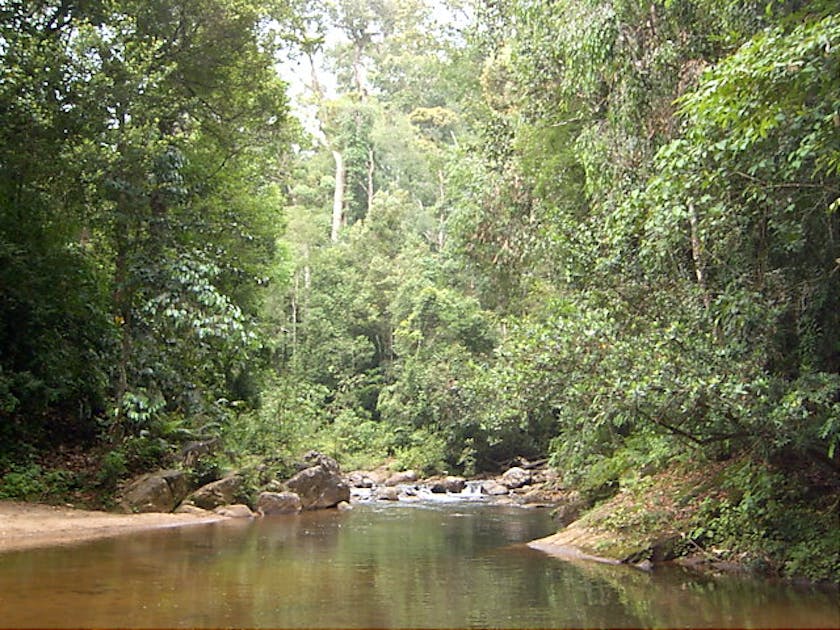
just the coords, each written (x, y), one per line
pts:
(359, 71)
(315, 83)
(371, 167)
(441, 235)
(307, 274)
(293, 315)
(697, 256)
(338, 196)
(340, 169)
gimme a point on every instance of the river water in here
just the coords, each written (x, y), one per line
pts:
(455, 564)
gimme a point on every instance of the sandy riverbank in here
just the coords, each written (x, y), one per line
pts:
(30, 525)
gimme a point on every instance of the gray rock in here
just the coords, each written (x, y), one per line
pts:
(493, 488)
(178, 482)
(386, 493)
(406, 476)
(344, 506)
(278, 503)
(237, 510)
(216, 493)
(159, 491)
(449, 484)
(515, 477)
(359, 479)
(319, 487)
(380, 475)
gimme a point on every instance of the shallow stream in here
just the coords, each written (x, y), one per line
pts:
(423, 564)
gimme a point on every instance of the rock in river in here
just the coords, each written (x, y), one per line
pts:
(278, 503)
(319, 486)
(449, 484)
(360, 479)
(237, 510)
(515, 477)
(406, 476)
(493, 488)
(386, 494)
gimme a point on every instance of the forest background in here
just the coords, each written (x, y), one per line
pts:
(603, 232)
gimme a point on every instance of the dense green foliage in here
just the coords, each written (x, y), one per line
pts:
(634, 235)
(601, 232)
(139, 212)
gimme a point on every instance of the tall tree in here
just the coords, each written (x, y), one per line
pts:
(160, 113)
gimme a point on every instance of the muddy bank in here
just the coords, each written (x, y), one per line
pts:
(27, 525)
(674, 517)
(644, 524)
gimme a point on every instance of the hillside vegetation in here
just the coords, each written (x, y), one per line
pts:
(601, 232)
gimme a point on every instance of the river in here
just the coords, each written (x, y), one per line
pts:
(416, 565)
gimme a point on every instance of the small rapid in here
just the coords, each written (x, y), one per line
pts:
(421, 491)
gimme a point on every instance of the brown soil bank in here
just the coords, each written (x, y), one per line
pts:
(27, 525)
(697, 515)
(645, 521)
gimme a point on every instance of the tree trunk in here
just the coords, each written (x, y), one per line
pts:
(697, 256)
(315, 84)
(358, 70)
(441, 235)
(338, 196)
(371, 167)
(122, 308)
(293, 315)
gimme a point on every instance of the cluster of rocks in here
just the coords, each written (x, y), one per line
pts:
(317, 485)
(528, 485)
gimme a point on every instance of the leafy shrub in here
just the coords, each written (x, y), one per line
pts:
(766, 518)
(421, 450)
(30, 482)
(112, 470)
(146, 452)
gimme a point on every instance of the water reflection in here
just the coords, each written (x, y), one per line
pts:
(397, 566)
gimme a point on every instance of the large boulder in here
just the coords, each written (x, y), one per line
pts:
(406, 476)
(515, 477)
(159, 491)
(216, 493)
(319, 486)
(386, 493)
(493, 488)
(278, 503)
(449, 484)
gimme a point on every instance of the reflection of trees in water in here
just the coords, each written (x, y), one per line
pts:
(374, 567)
(675, 597)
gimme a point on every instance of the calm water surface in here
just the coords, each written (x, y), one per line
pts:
(396, 565)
